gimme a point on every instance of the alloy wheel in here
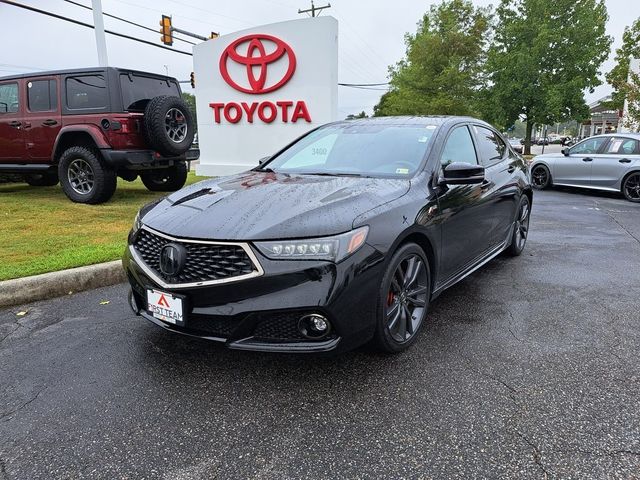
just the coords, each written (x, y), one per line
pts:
(632, 187)
(540, 177)
(522, 225)
(407, 298)
(81, 176)
(175, 125)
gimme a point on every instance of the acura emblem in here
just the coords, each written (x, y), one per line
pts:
(172, 259)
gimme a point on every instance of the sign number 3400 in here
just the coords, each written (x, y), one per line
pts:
(319, 151)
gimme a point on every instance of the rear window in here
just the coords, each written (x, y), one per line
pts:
(86, 91)
(42, 95)
(137, 90)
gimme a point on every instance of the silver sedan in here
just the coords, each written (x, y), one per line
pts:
(604, 162)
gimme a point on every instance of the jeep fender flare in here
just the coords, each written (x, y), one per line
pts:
(93, 131)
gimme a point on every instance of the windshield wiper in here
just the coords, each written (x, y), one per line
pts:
(335, 174)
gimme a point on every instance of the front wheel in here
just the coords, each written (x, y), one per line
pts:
(165, 179)
(521, 227)
(631, 187)
(540, 177)
(403, 299)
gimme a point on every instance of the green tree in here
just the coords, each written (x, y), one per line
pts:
(626, 86)
(442, 70)
(545, 54)
(190, 99)
(352, 116)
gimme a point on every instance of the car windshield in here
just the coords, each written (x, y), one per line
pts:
(360, 150)
(137, 90)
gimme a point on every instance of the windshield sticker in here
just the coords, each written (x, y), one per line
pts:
(403, 171)
(430, 127)
(423, 139)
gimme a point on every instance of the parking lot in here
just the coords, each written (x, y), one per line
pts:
(528, 368)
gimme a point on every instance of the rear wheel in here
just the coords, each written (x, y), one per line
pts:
(521, 228)
(540, 177)
(403, 299)
(631, 187)
(46, 179)
(165, 179)
(84, 176)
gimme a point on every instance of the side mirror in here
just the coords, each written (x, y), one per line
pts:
(463, 174)
(565, 152)
(263, 160)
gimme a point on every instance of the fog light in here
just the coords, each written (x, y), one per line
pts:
(314, 326)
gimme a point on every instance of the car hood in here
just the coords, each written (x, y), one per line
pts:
(264, 205)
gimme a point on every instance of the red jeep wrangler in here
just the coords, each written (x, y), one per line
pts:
(86, 127)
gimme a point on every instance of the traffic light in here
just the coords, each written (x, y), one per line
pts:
(193, 80)
(165, 30)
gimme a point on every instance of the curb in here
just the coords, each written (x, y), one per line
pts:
(56, 284)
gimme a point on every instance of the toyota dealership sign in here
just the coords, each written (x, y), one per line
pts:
(259, 89)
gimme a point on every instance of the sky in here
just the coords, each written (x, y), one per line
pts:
(371, 36)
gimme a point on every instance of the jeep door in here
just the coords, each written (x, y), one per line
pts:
(42, 119)
(11, 133)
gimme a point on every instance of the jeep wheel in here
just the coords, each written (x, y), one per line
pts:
(168, 125)
(84, 176)
(165, 179)
(45, 179)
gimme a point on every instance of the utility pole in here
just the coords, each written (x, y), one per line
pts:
(313, 9)
(98, 23)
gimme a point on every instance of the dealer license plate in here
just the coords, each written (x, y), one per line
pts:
(165, 306)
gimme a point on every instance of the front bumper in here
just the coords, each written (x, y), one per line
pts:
(262, 313)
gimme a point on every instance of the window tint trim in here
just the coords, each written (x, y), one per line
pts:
(53, 94)
(17, 84)
(450, 132)
(504, 154)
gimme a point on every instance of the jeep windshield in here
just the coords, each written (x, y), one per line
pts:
(137, 90)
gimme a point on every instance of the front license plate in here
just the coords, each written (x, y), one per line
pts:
(165, 306)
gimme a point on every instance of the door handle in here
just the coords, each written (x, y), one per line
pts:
(511, 169)
(485, 184)
(50, 122)
(15, 124)
(587, 159)
(625, 160)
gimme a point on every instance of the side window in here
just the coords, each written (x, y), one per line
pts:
(588, 146)
(9, 98)
(42, 95)
(86, 91)
(490, 146)
(459, 148)
(623, 146)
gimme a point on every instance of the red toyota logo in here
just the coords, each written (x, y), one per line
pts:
(258, 59)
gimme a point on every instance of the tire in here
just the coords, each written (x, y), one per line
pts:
(631, 187)
(84, 176)
(540, 177)
(168, 125)
(46, 179)
(165, 179)
(396, 296)
(521, 228)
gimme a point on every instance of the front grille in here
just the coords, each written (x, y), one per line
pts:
(279, 326)
(205, 262)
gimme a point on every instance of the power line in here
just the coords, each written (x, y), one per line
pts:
(88, 25)
(126, 21)
(363, 84)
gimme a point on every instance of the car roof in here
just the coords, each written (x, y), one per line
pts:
(417, 120)
(78, 70)
(635, 136)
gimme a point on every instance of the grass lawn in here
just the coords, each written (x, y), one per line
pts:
(43, 231)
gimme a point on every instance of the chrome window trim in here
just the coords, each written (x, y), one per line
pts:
(156, 278)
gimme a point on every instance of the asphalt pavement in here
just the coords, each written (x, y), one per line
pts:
(529, 368)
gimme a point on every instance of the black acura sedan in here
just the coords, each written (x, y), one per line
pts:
(342, 237)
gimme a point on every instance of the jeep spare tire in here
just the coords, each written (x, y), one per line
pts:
(168, 125)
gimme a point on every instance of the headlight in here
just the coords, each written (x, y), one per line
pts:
(137, 222)
(334, 249)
